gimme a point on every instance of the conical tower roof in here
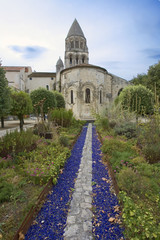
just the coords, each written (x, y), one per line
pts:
(75, 30)
(59, 62)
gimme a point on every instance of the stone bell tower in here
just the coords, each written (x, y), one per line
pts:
(76, 50)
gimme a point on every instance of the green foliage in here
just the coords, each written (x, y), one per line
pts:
(5, 191)
(48, 98)
(137, 99)
(140, 222)
(44, 162)
(149, 138)
(126, 129)
(21, 104)
(110, 145)
(59, 99)
(4, 94)
(15, 142)
(62, 117)
(151, 80)
(64, 140)
(141, 79)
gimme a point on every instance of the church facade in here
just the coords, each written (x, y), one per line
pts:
(87, 89)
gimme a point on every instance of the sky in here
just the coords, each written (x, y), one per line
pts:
(123, 36)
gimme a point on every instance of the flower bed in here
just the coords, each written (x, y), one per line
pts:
(106, 221)
(51, 220)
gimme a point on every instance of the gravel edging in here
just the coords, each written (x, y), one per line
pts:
(106, 213)
(51, 220)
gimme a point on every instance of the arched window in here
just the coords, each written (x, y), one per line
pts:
(81, 45)
(70, 59)
(71, 96)
(120, 91)
(47, 87)
(88, 95)
(83, 59)
(76, 60)
(77, 44)
(54, 86)
(100, 96)
(72, 44)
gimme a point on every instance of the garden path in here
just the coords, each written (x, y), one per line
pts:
(83, 205)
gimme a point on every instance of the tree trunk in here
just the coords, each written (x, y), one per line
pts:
(2, 122)
(21, 123)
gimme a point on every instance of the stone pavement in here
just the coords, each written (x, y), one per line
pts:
(11, 126)
(79, 220)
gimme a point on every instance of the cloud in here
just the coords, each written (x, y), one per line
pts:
(153, 53)
(28, 51)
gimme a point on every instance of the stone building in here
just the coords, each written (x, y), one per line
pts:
(86, 88)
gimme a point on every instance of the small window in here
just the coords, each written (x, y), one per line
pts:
(30, 78)
(76, 60)
(83, 60)
(100, 97)
(71, 96)
(77, 44)
(51, 78)
(47, 87)
(88, 95)
(72, 44)
(70, 60)
(81, 45)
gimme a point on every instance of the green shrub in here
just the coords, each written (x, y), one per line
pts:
(127, 129)
(113, 144)
(59, 99)
(62, 117)
(6, 190)
(152, 152)
(133, 183)
(138, 160)
(15, 142)
(140, 222)
(64, 140)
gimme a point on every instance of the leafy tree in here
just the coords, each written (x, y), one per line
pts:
(59, 99)
(21, 105)
(43, 100)
(137, 99)
(140, 79)
(151, 80)
(4, 96)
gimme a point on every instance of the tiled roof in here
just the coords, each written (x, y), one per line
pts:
(42, 74)
(14, 69)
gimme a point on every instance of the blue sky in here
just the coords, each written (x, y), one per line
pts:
(123, 36)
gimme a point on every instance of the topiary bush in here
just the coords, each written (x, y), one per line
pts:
(59, 99)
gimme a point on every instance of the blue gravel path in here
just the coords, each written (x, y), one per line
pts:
(105, 204)
(51, 220)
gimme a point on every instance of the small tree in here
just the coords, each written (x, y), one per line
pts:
(44, 96)
(137, 99)
(4, 96)
(59, 99)
(21, 105)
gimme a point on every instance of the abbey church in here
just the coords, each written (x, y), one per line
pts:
(86, 88)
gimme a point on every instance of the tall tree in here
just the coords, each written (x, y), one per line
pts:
(4, 96)
(43, 100)
(151, 80)
(21, 105)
